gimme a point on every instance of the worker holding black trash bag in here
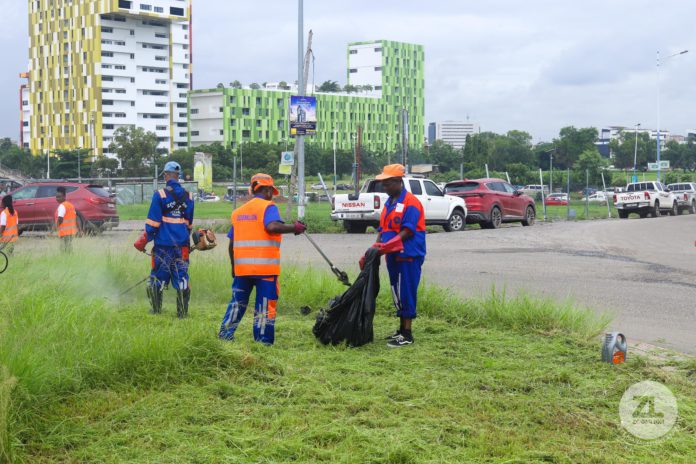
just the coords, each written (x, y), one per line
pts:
(402, 240)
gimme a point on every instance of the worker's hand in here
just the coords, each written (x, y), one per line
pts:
(141, 242)
(300, 227)
(394, 245)
(361, 263)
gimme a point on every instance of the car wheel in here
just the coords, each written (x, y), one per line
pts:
(692, 208)
(354, 227)
(675, 209)
(624, 214)
(529, 217)
(642, 215)
(656, 210)
(496, 218)
(456, 222)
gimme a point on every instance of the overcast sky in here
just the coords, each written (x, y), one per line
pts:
(534, 65)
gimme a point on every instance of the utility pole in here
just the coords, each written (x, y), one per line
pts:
(404, 138)
(635, 155)
(299, 141)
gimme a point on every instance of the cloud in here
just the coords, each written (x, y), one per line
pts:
(537, 65)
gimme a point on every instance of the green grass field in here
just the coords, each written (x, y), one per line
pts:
(88, 376)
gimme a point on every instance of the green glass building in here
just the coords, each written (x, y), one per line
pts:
(390, 76)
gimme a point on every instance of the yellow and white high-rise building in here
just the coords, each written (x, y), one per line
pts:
(97, 65)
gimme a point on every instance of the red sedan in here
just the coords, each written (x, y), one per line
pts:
(36, 205)
(557, 199)
(491, 202)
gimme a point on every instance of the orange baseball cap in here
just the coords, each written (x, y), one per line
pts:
(392, 170)
(262, 180)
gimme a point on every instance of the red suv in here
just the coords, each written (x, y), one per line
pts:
(490, 202)
(36, 205)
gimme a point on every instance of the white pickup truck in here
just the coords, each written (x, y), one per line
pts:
(359, 212)
(686, 196)
(646, 198)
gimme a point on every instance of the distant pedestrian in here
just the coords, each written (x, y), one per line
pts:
(9, 223)
(66, 220)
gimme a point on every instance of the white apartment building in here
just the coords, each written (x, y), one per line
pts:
(116, 63)
(451, 132)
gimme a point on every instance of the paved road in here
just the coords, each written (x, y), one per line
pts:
(641, 270)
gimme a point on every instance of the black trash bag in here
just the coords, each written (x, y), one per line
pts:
(349, 316)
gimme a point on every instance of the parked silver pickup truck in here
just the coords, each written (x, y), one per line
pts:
(686, 196)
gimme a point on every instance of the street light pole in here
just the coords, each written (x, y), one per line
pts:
(683, 52)
(635, 154)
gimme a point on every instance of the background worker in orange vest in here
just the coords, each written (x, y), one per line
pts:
(66, 220)
(255, 238)
(9, 222)
(169, 224)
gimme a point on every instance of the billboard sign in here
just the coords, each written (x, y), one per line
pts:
(303, 115)
(203, 171)
(664, 164)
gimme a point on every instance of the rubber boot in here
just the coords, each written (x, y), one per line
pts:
(182, 302)
(154, 294)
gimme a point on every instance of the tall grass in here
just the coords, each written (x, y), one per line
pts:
(66, 328)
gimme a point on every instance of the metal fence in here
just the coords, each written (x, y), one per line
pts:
(138, 193)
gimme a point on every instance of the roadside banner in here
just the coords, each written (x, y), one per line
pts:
(653, 166)
(303, 115)
(203, 171)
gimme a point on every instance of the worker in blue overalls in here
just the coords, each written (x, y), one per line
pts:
(169, 223)
(402, 240)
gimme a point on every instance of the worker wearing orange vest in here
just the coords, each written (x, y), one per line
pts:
(9, 222)
(66, 220)
(254, 250)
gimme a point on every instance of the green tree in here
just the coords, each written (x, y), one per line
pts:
(136, 149)
(283, 85)
(65, 163)
(623, 149)
(254, 86)
(104, 167)
(236, 84)
(571, 143)
(591, 161)
(348, 88)
(329, 86)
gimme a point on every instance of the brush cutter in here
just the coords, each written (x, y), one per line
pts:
(342, 276)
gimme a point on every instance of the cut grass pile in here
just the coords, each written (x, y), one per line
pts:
(88, 376)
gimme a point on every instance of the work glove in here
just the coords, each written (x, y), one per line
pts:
(361, 263)
(394, 245)
(141, 242)
(300, 227)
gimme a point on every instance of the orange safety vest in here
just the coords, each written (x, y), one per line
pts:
(10, 233)
(69, 225)
(256, 252)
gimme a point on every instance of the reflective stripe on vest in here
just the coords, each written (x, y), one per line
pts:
(256, 252)
(69, 225)
(10, 233)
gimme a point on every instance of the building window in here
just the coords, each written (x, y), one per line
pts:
(378, 49)
(245, 111)
(174, 11)
(145, 7)
(353, 52)
(159, 9)
(378, 68)
(107, 29)
(195, 133)
(125, 4)
(353, 70)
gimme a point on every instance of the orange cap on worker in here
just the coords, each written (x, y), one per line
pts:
(262, 180)
(392, 170)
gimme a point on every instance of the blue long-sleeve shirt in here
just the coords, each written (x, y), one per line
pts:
(170, 218)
